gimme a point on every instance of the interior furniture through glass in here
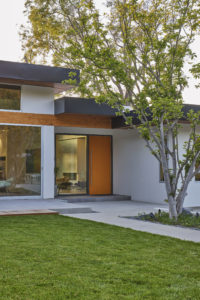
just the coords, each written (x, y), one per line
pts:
(71, 166)
(20, 160)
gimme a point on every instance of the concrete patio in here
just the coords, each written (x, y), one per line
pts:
(109, 212)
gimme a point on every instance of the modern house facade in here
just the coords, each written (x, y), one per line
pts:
(69, 146)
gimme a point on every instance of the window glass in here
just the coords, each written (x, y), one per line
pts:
(197, 176)
(161, 174)
(71, 166)
(10, 97)
(20, 160)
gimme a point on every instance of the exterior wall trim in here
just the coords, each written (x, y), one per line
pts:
(65, 120)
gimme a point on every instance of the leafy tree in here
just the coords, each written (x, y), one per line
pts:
(132, 55)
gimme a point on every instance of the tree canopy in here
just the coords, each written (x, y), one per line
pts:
(132, 55)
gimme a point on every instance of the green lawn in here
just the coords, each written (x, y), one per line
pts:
(55, 257)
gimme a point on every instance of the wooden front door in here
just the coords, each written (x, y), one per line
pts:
(100, 165)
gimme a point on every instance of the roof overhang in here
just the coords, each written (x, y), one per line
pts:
(37, 75)
(119, 121)
(74, 105)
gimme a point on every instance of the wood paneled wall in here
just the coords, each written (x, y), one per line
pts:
(66, 120)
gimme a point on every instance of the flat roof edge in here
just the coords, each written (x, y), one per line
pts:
(39, 74)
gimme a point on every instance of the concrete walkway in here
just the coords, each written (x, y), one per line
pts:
(110, 212)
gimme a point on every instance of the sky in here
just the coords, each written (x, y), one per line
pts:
(11, 17)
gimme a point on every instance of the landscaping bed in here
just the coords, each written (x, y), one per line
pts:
(186, 219)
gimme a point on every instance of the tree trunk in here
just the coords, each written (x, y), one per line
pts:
(172, 208)
(183, 191)
(180, 200)
(179, 205)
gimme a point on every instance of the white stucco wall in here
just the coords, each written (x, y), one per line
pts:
(36, 99)
(48, 162)
(78, 130)
(136, 171)
(132, 164)
(193, 197)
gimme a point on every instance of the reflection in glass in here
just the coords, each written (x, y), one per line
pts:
(71, 177)
(10, 97)
(20, 160)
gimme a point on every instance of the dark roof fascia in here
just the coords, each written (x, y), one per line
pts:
(76, 105)
(31, 74)
(187, 108)
(119, 122)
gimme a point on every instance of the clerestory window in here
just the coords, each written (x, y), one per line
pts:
(10, 97)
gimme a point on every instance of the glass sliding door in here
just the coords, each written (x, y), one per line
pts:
(71, 164)
(20, 160)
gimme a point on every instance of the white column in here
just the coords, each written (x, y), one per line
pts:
(48, 162)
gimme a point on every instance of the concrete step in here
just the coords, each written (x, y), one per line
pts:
(89, 198)
(27, 212)
(75, 210)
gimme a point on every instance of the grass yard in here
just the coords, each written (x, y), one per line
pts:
(58, 258)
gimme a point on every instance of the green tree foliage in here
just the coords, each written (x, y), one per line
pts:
(132, 55)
